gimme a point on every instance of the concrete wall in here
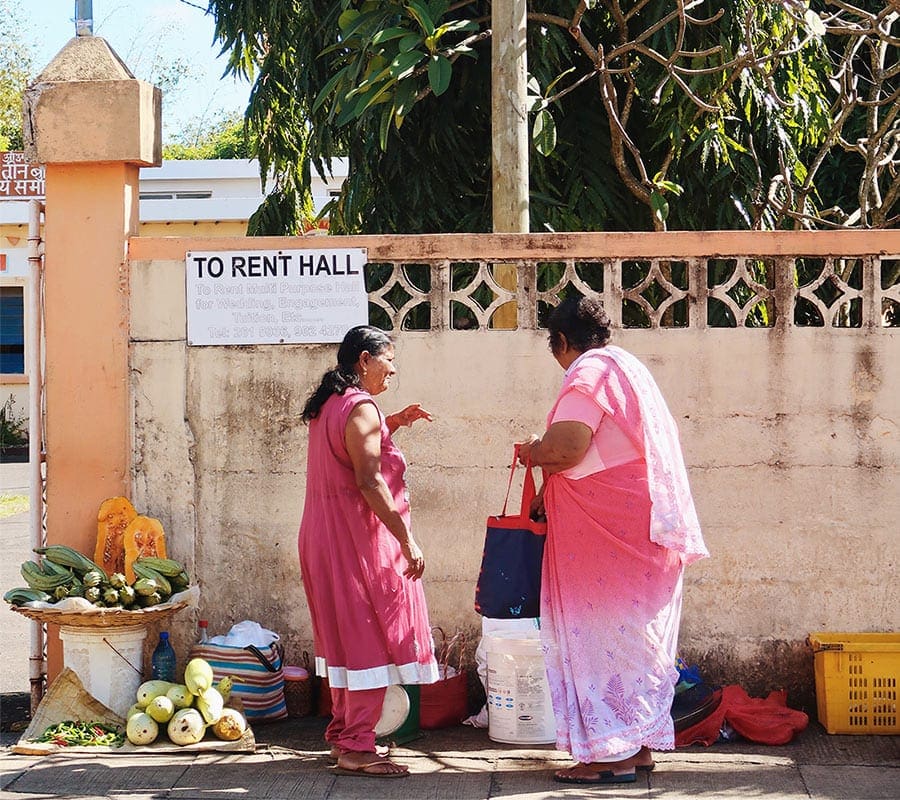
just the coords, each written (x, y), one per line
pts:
(790, 435)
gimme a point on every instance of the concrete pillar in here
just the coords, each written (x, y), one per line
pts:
(92, 124)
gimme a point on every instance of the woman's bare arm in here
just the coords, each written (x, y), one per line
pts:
(363, 439)
(561, 447)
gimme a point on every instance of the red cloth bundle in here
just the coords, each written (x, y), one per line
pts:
(765, 720)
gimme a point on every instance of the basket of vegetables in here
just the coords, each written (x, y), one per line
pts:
(130, 580)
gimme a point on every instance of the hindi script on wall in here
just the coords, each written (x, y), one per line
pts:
(20, 180)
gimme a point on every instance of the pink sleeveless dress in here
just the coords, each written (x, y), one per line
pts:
(370, 623)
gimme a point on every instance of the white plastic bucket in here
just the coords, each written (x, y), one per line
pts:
(108, 661)
(518, 695)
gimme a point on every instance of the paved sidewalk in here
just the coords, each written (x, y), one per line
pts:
(460, 763)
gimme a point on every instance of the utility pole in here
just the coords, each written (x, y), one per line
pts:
(509, 134)
(509, 115)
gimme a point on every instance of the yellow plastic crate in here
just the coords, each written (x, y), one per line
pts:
(857, 677)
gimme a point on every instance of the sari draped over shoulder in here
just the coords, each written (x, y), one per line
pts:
(618, 539)
(624, 388)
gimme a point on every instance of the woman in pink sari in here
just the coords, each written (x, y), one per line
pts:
(361, 564)
(621, 526)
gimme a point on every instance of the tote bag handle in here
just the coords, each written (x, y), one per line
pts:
(262, 658)
(528, 487)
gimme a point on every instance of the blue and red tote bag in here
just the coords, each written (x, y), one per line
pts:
(509, 584)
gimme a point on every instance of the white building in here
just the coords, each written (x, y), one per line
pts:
(219, 191)
(180, 198)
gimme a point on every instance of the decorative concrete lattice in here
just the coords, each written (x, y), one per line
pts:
(652, 293)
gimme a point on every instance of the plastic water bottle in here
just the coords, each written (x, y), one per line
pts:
(163, 660)
(203, 635)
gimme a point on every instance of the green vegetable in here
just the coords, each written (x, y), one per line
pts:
(145, 586)
(110, 596)
(117, 580)
(126, 595)
(71, 734)
(23, 594)
(92, 578)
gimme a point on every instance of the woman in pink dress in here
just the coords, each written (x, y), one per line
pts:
(621, 526)
(361, 564)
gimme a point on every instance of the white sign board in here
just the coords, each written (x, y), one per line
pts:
(274, 296)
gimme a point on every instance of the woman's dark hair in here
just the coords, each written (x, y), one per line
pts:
(343, 376)
(582, 320)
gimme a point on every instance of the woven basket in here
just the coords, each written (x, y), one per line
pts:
(298, 696)
(298, 691)
(100, 617)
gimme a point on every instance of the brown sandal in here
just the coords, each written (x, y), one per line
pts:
(372, 768)
(591, 774)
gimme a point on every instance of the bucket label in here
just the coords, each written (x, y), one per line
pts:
(519, 707)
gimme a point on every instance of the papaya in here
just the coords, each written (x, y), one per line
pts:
(210, 704)
(143, 538)
(186, 726)
(198, 676)
(230, 726)
(150, 689)
(142, 729)
(112, 520)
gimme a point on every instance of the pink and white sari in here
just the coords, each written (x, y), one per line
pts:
(617, 542)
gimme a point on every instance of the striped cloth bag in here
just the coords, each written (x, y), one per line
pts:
(258, 676)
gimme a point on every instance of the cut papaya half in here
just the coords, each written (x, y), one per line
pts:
(144, 538)
(112, 519)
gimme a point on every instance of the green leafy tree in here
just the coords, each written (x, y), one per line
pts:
(645, 113)
(852, 174)
(16, 58)
(226, 137)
